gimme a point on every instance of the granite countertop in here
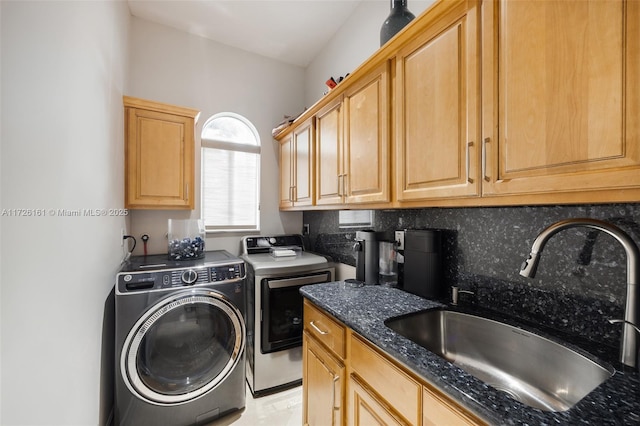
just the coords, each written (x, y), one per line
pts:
(364, 309)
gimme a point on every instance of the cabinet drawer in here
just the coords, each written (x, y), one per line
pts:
(325, 329)
(397, 388)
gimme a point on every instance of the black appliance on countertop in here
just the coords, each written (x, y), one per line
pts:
(423, 263)
(367, 259)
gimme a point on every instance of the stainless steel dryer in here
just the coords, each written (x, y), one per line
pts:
(180, 339)
(276, 269)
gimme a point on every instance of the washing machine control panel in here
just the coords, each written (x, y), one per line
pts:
(158, 280)
(227, 272)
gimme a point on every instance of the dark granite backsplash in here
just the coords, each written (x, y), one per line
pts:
(581, 279)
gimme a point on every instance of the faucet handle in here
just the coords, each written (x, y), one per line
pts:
(618, 321)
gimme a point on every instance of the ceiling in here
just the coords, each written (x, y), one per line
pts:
(291, 31)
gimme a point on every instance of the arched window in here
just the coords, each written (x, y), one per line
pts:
(230, 174)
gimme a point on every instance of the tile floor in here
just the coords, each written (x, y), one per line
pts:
(279, 409)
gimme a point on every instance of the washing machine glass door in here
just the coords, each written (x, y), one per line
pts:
(183, 347)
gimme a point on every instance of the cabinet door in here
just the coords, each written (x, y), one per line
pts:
(159, 160)
(561, 96)
(391, 383)
(286, 174)
(329, 155)
(323, 378)
(366, 410)
(303, 164)
(437, 109)
(366, 138)
(436, 411)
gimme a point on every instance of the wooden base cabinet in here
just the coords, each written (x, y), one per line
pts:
(394, 388)
(324, 373)
(323, 384)
(436, 411)
(367, 409)
(159, 155)
(348, 381)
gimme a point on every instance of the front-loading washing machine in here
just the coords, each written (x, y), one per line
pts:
(180, 339)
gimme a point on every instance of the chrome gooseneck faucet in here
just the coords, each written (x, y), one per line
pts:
(629, 342)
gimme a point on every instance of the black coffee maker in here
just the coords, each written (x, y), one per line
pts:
(423, 263)
(366, 249)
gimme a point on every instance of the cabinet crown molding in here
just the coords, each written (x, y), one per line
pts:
(131, 102)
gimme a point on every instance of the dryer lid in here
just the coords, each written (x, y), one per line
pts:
(265, 263)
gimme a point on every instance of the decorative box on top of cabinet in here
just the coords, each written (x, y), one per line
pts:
(159, 155)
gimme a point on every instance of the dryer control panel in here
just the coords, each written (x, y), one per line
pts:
(129, 282)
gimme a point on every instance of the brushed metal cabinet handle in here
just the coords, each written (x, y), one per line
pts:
(344, 184)
(468, 161)
(318, 329)
(484, 159)
(333, 396)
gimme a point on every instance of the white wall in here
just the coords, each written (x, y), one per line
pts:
(63, 74)
(171, 66)
(357, 40)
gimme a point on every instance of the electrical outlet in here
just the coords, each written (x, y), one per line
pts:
(400, 240)
(305, 229)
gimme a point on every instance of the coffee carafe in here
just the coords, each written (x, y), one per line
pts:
(388, 264)
(366, 249)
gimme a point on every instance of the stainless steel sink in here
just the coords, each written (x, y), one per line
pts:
(529, 368)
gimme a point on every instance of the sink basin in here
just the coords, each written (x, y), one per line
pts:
(529, 368)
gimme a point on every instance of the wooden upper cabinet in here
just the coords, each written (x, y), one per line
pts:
(366, 139)
(329, 155)
(297, 166)
(352, 143)
(437, 104)
(286, 172)
(159, 155)
(303, 163)
(561, 96)
(495, 102)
